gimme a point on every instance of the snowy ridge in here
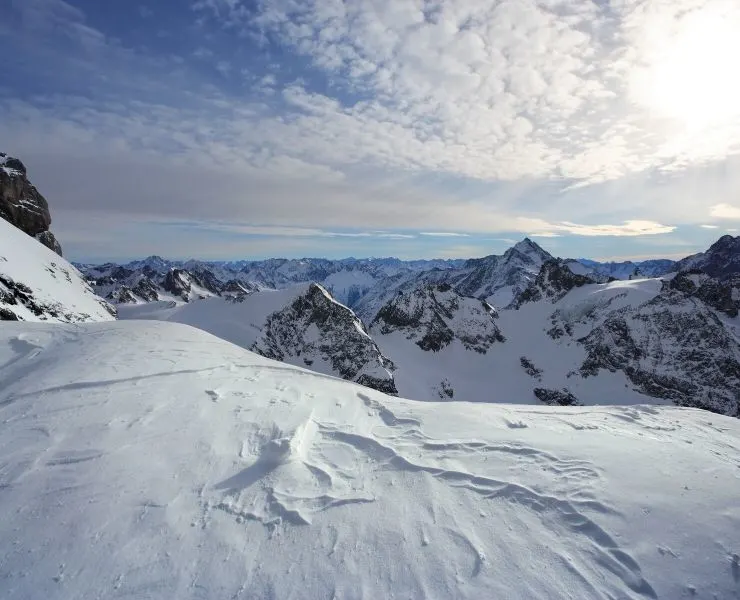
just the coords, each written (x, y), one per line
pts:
(303, 326)
(37, 284)
(196, 469)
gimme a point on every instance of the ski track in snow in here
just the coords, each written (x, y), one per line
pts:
(177, 465)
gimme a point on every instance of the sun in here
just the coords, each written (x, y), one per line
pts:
(689, 66)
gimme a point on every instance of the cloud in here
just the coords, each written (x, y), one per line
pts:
(508, 90)
(442, 234)
(725, 211)
(709, 226)
(632, 228)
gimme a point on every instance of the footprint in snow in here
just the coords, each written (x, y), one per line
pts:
(214, 395)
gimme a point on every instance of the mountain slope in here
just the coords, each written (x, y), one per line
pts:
(721, 260)
(38, 285)
(195, 469)
(302, 326)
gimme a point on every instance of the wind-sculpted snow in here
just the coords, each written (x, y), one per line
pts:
(152, 460)
(37, 284)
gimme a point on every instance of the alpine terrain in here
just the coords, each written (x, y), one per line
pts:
(517, 426)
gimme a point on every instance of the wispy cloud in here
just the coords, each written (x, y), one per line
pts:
(725, 211)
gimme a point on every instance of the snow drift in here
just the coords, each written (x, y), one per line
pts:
(153, 460)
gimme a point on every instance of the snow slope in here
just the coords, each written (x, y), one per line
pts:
(498, 374)
(302, 326)
(37, 284)
(153, 460)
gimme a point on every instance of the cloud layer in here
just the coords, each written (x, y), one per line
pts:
(425, 120)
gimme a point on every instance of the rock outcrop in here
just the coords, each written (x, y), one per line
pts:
(553, 282)
(315, 327)
(436, 315)
(22, 205)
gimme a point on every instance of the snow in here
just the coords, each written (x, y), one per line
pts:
(152, 460)
(55, 284)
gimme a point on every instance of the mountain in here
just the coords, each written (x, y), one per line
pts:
(499, 279)
(37, 284)
(562, 339)
(721, 260)
(22, 205)
(153, 460)
(302, 326)
(626, 269)
(347, 279)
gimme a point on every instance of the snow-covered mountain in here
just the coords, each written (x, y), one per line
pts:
(500, 279)
(36, 284)
(153, 460)
(302, 325)
(721, 260)
(565, 339)
(627, 269)
(155, 278)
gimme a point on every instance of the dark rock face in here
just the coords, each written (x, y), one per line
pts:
(722, 260)
(672, 347)
(435, 315)
(19, 294)
(551, 397)
(515, 269)
(315, 327)
(47, 239)
(723, 296)
(146, 290)
(178, 283)
(553, 282)
(22, 205)
(529, 368)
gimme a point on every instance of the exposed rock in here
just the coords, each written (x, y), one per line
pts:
(672, 347)
(316, 327)
(47, 239)
(553, 282)
(529, 368)
(434, 316)
(556, 397)
(722, 260)
(723, 296)
(22, 205)
(511, 272)
(178, 283)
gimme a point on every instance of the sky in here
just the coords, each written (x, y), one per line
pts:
(226, 129)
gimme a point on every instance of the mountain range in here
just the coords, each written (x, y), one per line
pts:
(231, 430)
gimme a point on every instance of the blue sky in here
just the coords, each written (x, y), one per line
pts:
(416, 128)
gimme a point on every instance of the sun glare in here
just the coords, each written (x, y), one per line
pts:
(690, 71)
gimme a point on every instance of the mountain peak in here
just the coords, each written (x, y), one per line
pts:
(22, 205)
(530, 249)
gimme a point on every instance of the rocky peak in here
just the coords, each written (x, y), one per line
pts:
(436, 315)
(553, 282)
(320, 330)
(22, 205)
(529, 250)
(721, 295)
(722, 259)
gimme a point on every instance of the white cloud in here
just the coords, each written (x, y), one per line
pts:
(709, 226)
(725, 211)
(632, 228)
(442, 234)
(520, 88)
